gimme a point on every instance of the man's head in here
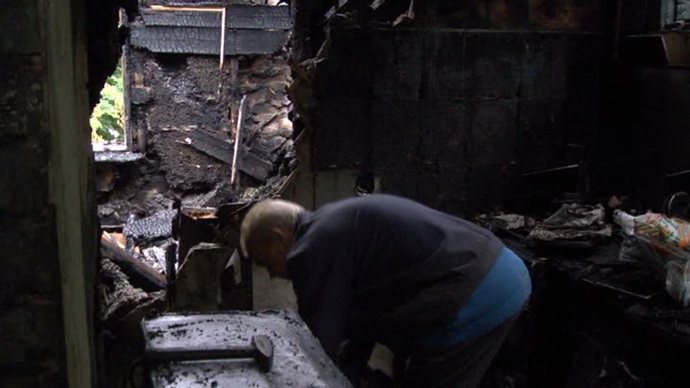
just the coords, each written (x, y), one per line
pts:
(266, 234)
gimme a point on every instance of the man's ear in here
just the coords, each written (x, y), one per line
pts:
(279, 235)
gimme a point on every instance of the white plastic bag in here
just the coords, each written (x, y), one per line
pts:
(662, 243)
(678, 281)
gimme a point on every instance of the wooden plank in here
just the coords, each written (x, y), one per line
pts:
(212, 146)
(63, 39)
(127, 96)
(249, 163)
(239, 16)
(206, 41)
(254, 166)
(234, 70)
(172, 40)
(140, 274)
(255, 42)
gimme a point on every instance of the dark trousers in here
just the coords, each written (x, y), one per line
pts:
(461, 366)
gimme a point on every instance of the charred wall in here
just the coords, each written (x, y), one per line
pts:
(30, 296)
(454, 118)
(505, 15)
(183, 95)
(458, 104)
(32, 141)
(183, 113)
(644, 134)
(644, 115)
(454, 104)
(183, 109)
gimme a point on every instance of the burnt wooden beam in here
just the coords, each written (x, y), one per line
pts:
(211, 146)
(139, 95)
(254, 166)
(239, 16)
(249, 163)
(234, 70)
(206, 41)
(139, 273)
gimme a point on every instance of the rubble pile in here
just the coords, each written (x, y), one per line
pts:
(190, 146)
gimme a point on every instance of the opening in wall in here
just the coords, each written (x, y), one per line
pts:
(108, 120)
(110, 129)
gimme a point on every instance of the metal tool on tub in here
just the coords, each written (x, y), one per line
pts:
(298, 360)
(260, 349)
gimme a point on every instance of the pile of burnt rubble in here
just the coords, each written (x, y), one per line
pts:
(641, 253)
(193, 166)
(170, 214)
(202, 272)
(610, 296)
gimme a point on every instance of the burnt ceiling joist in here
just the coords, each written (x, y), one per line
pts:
(249, 29)
(248, 17)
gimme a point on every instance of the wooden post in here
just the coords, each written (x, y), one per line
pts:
(238, 144)
(138, 73)
(67, 108)
(234, 69)
(126, 86)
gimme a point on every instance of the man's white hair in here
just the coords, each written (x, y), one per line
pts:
(266, 216)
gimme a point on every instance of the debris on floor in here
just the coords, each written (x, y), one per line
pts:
(118, 297)
(505, 221)
(205, 134)
(198, 282)
(573, 223)
(122, 307)
(141, 274)
(149, 228)
(209, 266)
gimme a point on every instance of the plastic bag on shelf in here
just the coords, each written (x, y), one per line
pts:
(678, 281)
(662, 243)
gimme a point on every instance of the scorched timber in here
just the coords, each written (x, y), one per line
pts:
(240, 16)
(249, 164)
(140, 274)
(206, 41)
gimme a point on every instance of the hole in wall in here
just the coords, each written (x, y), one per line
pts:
(108, 121)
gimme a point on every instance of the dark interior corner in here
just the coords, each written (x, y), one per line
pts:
(504, 112)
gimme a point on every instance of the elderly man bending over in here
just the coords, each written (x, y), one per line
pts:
(432, 287)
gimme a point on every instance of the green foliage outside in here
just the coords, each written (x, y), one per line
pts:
(108, 117)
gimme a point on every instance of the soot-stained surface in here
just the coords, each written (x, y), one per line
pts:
(298, 360)
(190, 96)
